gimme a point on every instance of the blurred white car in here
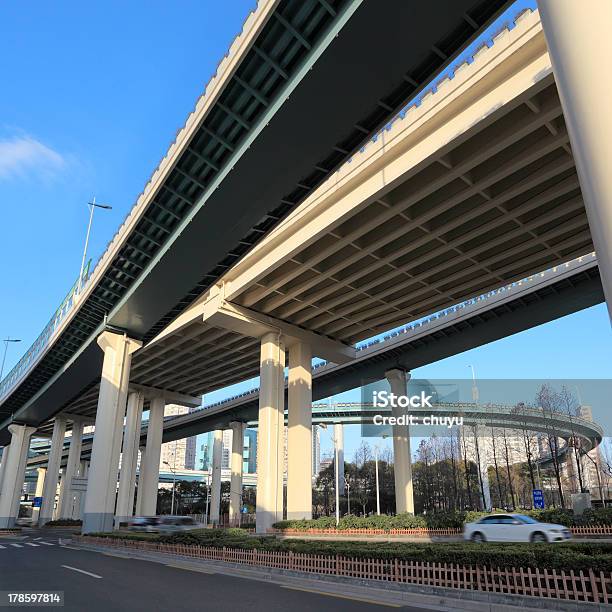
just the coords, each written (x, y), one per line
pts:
(172, 524)
(514, 528)
(163, 524)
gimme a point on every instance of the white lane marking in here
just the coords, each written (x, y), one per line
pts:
(17, 545)
(47, 544)
(31, 544)
(39, 538)
(73, 548)
(2, 546)
(76, 569)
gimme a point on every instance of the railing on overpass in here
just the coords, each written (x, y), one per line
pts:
(475, 301)
(46, 335)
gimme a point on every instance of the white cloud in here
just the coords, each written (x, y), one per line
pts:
(23, 155)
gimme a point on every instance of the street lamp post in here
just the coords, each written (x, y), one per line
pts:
(377, 485)
(348, 496)
(207, 494)
(92, 205)
(173, 470)
(336, 473)
(337, 480)
(475, 393)
(6, 343)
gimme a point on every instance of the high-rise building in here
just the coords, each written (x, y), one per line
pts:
(249, 457)
(206, 450)
(316, 451)
(191, 449)
(179, 454)
(226, 452)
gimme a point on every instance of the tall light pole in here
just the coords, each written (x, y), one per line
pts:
(6, 343)
(474, 387)
(336, 473)
(377, 485)
(348, 496)
(207, 494)
(92, 205)
(173, 470)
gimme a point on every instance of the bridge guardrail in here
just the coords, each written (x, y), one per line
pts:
(44, 337)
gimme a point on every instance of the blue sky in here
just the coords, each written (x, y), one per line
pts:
(93, 94)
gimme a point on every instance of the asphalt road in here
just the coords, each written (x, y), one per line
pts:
(94, 581)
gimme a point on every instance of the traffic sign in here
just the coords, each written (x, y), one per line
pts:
(37, 503)
(538, 499)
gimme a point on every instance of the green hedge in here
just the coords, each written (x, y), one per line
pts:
(442, 520)
(64, 523)
(571, 555)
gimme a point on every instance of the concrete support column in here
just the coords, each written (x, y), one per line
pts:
(148, 483)
(339, 452)
(235, 504)
(140, 482)
(79, 501)
(53, 468)
(270, 433)
(102, 481)
(579, 43)
(40, 483)
(215, 486)
(129, 459)
(66, 499)
(299, 438)
(402, 457)
(5, 453)
(14, 474)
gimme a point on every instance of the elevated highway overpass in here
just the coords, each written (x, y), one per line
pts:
(480, 419)
(303, 85)
(510, 309)
(473, 187)
(499, 416)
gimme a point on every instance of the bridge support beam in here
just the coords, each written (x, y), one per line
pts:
(129, 459)
(53, 467)
(67, 497)
(270, 433)
(148, 483)
(215, 486)
(402, 457)
(102, 481)
(14, 474)
(235, 504)
(299, 438)
(578, 38)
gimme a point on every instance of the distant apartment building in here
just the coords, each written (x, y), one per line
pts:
(179, 454)
(249, 452)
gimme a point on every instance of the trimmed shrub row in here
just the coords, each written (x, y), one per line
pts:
(64, 523)
(567, 556)
(444, 520)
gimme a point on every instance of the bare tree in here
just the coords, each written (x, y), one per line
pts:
(548, 401)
